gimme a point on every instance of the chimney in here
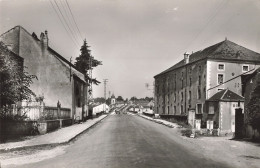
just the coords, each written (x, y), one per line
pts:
(186, 57)
(44, 39)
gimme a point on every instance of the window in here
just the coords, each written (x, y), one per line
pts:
(220, 78)
(199, 93)
(211, 108)
(199, 80)
(181, 109)
(189, 101)
(221, 67)
(199, 68)
(174, 110)
(245, 68)
(182, 85)
(181, 96)
(174, 97)
(190, 82)
(199, 109)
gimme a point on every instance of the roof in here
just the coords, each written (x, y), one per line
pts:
(225, 50)
(226, 96)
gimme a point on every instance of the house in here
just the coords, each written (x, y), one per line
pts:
(101, 108)
(251, 92)
(59, 83)
(182, 90)
(221, 109)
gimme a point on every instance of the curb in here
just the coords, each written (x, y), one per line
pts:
(158, 122)
(51, 144)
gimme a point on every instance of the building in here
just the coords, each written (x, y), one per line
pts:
(113, 100)
(58, 80)
(101, 108)
(221, 109)
(183, 89)
(251, 92)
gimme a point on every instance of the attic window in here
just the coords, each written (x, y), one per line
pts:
(221, 67)
(245, 68)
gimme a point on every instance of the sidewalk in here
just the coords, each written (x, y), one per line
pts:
(60, 136)
(160, 121)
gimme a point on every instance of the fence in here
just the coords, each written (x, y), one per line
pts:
(38, 111)
(56, 113)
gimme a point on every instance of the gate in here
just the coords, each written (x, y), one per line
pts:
(239, 121)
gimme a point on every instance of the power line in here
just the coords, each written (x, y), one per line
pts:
(67, 13)
(74, 19)
(210, 19)
(63, 23)
(66, 22)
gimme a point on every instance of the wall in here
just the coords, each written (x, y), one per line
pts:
(169, 89)
(14, 129)
(231, 70)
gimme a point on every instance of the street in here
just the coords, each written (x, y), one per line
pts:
(128, 141)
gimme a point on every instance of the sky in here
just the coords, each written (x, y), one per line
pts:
(135, 39)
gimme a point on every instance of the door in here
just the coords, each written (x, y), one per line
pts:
(239, 119)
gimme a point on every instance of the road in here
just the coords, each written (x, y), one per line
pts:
(128, 141)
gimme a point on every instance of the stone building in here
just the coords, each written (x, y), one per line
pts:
(182, 90)
(58, 79)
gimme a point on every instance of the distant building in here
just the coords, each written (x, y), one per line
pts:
(102, 108)
(183, 89)
(58, 79)
(113, 99)
(251, 88)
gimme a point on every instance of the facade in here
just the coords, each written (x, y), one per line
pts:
(251, 89)
(186, 86)
(58, 80)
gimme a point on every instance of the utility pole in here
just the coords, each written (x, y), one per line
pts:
(105, 91)
(105, 88)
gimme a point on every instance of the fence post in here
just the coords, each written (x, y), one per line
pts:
(59, 106)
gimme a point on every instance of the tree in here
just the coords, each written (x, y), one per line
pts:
(86, 62)
(119, 98)
(14, 81)
(254, 109)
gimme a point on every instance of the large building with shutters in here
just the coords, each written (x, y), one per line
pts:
(186, 86)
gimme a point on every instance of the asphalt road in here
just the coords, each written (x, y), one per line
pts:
(127, 141)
